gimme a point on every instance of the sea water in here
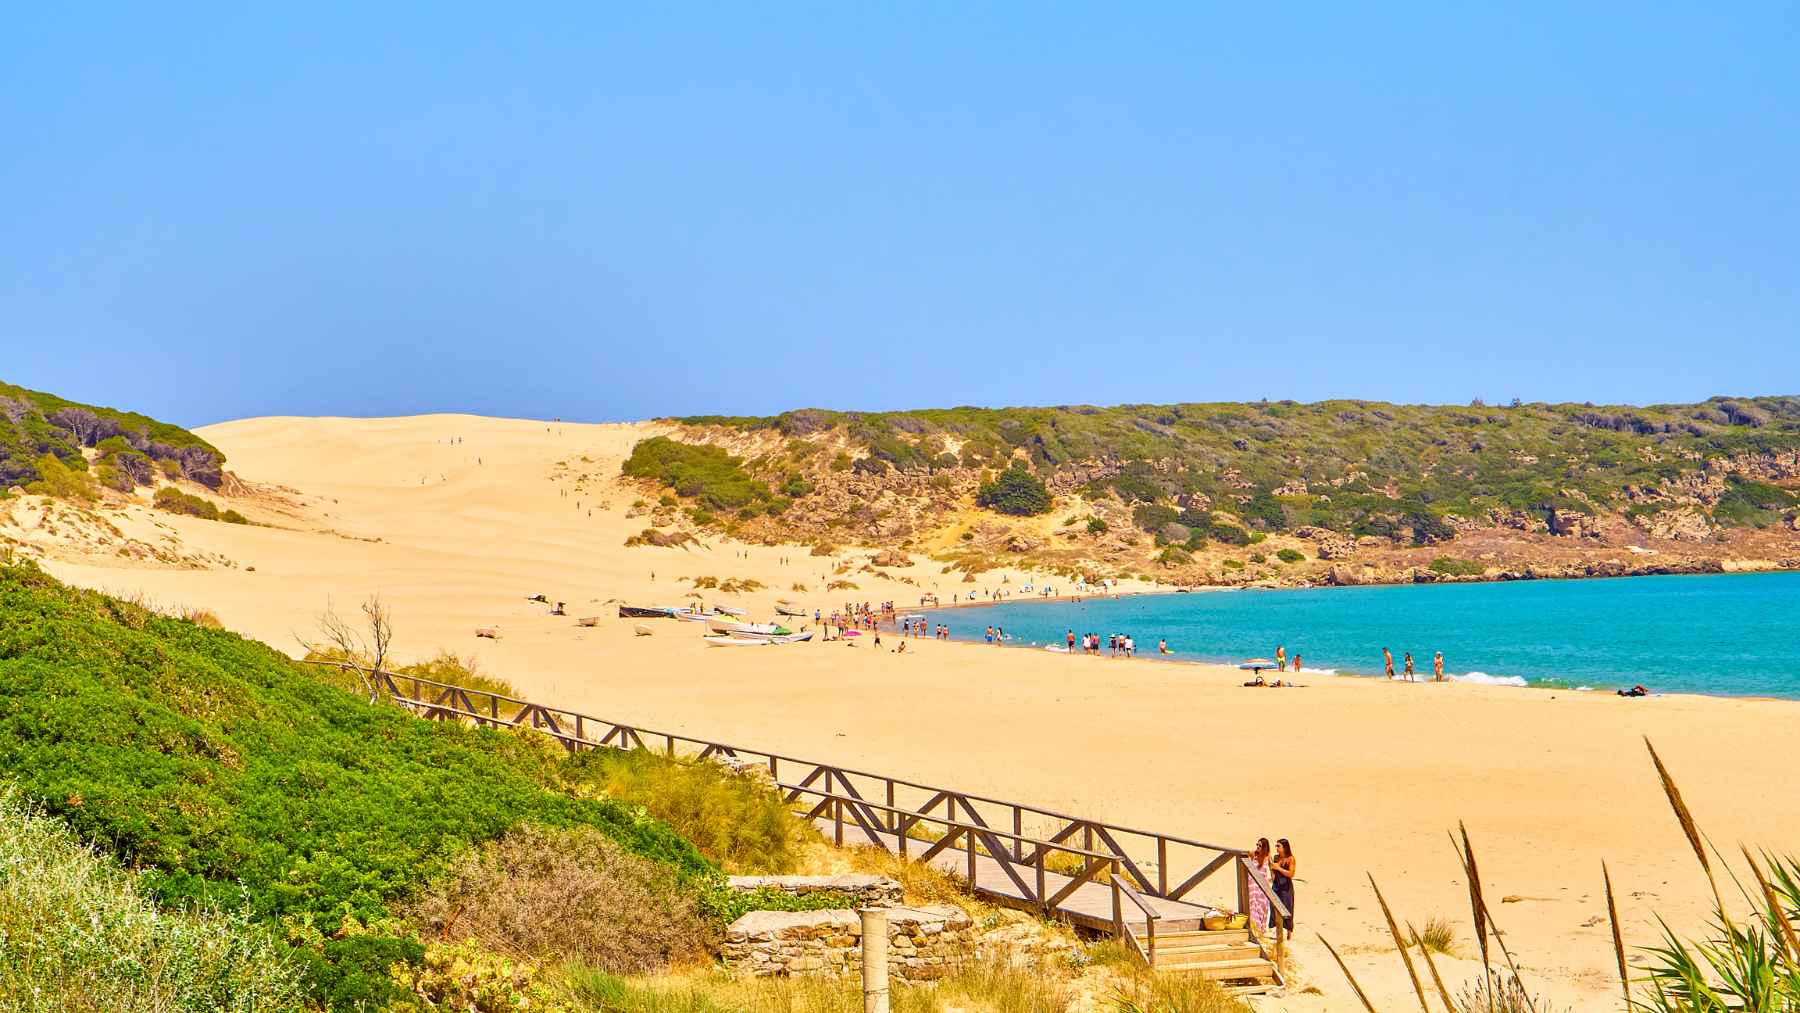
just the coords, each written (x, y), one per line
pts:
(1731, 634)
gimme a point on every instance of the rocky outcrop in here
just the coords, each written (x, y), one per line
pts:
(1330, 544)
(924, 943)
(890, 557)
(1680, 524)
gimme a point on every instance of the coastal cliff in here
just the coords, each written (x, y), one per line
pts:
(1341, 492)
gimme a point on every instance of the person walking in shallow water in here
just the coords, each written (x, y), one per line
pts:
(1437, 667)
(1409, 668)
(1280, 658)
(1387, 659)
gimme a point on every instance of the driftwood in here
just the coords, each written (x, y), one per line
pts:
(490, 632)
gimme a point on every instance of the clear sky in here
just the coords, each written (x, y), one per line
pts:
(606, 211)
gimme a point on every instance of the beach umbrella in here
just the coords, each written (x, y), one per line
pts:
(1257, 663)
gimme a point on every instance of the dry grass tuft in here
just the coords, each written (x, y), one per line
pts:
(1437, 936)
(542, 894)
(206, 619)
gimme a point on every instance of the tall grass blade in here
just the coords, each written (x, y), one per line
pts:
(1686, 819)
(1778, 909)
(1466, 853)
(1431, 965)
(1618, 938)
(1347, 975)
(1400, 944)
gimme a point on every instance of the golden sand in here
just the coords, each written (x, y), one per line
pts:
(1363, 775)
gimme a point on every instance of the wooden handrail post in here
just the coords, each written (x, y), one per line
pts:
(893, 814)
(1162, 866)
(1243, 885)
(1119, 929)
(837, 811)
(1018, 834)
(1150, 925)
(969, 836)
(1043, 905)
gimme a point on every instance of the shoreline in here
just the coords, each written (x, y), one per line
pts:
(1599, 685)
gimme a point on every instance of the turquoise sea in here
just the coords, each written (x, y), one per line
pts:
(1733, 634)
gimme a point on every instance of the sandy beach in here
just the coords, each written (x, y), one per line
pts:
(455, 520)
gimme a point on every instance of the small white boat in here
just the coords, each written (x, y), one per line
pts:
(736, 629)
(691, 615)
(735, 642)
(727, 610)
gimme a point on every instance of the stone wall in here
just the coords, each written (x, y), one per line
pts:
(865, 891)
(924, 943)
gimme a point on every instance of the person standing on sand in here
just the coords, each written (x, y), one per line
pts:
(1280, 658)
(1259, 901)
(1409, 668)
(1284, 868)
(1070, 640)
(1437, 667)
(1296, 661)
(1387, 659)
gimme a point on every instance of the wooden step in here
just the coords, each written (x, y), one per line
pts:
(1167, 955)
(1203, 936)
(1223, 970)
(1260, 988)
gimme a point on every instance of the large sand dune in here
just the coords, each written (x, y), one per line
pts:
(1361, 775)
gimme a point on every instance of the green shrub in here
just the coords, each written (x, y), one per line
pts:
(1257, 557)
(560, 895)
(1096, 526)
(1290, 555)
(464, 976)
(1153, 516)
(177, 502)
(1015, 491)
(63, 482)
(1174, 555)
(170, 468)
(242, 779)
(76, 935)
(707, 474)
(1453, 567)
(233, 517)
(1228, 534)
(1428, 528)
(1233, 564)
(730, 817)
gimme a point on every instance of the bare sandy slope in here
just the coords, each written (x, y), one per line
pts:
(1363, 776)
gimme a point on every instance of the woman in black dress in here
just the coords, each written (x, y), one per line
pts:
(1283, 867)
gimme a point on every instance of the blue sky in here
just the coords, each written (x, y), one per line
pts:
(596, 212)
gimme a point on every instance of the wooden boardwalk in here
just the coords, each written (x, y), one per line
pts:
(1132, 883)
(1089, 906)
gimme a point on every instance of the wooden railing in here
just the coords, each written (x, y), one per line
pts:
(917, 821)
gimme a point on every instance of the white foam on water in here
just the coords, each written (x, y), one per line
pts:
(1484, 679)
(1317, 671)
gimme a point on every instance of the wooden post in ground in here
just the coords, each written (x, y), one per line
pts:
(874, 960)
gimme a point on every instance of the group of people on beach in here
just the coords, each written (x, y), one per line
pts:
(1437, 666)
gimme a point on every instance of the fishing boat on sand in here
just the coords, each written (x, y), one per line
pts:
(788, 608)
(731, 627)
(735, 642)
(646, 612)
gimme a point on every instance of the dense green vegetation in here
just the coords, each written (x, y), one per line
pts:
(238, 781)
(1353, 466)
(1015, 491)
(712, 478)
(34, 424)
(177, 502)
(75, 934)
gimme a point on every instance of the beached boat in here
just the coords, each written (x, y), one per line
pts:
(692, 615)
(727, 610)
(734, 642)
(646, 612)
(731, 627)
(788, 608)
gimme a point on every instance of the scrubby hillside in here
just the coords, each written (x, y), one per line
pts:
(132, 447)
(1191, 486)
(231, 777)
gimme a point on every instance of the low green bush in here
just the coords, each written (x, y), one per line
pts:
(1290, 555)
(177, 502)
(713, 478)
(1015, 491)
(63, 482)
(1453, 567)
(1096, 526)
